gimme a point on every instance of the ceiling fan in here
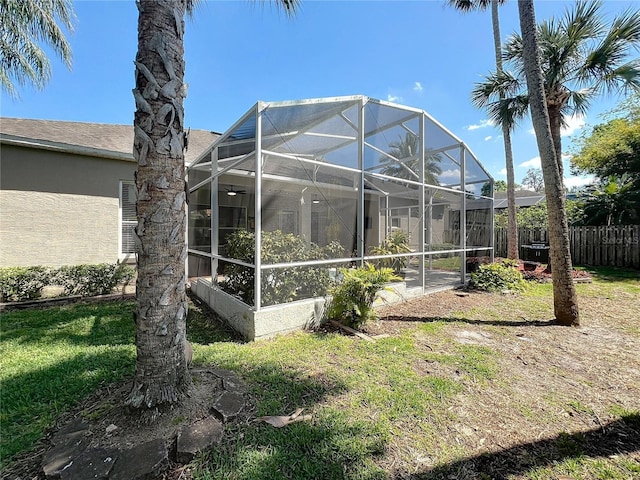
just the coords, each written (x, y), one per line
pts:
(233, 192)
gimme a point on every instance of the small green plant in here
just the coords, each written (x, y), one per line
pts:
(353, 297)
(496, 277)
(509, 262)
(18, 284)
(397, 242)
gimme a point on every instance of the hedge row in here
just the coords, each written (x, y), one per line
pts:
(18, 284)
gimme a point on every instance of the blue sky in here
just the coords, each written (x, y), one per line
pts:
(417, 53)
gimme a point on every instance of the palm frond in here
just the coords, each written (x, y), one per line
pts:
(508, 111)
(625, 78)
(615, 46)
(582, 23)
(556, 54)
(512, 49)
(495, 86)
(290, 7)
(578, 103)
(25, 25)
(40, 19)
(470, 5)
(574, 70)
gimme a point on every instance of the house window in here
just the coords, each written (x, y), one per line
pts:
(128, 219)
(288, 222)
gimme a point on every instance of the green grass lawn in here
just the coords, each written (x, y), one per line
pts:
(376, 407)
(52, 358)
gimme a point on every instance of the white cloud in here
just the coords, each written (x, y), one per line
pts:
(578, 181)
(450, 174)
(573, 123)
(487, 138)
(394, 98)
(503, 172)
(533, 163)
(417, 87)
(483, 123)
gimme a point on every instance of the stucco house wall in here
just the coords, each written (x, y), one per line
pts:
(59, 208)
(60, 190)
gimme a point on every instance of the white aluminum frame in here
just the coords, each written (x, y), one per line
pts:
(256, 113)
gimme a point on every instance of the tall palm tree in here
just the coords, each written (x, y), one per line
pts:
(614, 200)
(161, 375)
(512, 225)
(565, 300)
(581, 58)
(24, 25)
(407, 164)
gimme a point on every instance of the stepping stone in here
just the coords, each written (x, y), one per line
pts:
(232, 383)
(61, 456)
(144, 462)
(230, 380)
(193, 439)
(90, 464)
(70, 433)
(228, 406)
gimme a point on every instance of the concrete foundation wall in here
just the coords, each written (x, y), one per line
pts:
(266, 323)
(397, 292)
(284, 318)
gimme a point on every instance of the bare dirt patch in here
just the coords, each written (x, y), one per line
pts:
(552, 380)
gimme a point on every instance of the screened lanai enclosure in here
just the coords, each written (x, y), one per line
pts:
(319, 185)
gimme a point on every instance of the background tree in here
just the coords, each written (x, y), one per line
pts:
(512, 233)
(581, 57)
(611, 148)
(534, 180)
(611, 152)
(24, 26)
(613, 201)
(406, 162)
(500, 186)
(535, 216)
(159, 141)
(565, 300)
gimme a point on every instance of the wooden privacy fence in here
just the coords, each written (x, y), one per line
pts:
(615, 246)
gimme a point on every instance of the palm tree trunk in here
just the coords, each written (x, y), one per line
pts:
(512, 225)
(555, 120)
(161, 375)
(565, 300)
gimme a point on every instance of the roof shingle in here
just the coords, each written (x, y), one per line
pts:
(117, 139)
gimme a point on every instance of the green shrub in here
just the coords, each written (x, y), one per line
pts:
(497, 277)
(279, 285)
(90, 280)
(18, 284)
(353, 297)
(397, 242)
